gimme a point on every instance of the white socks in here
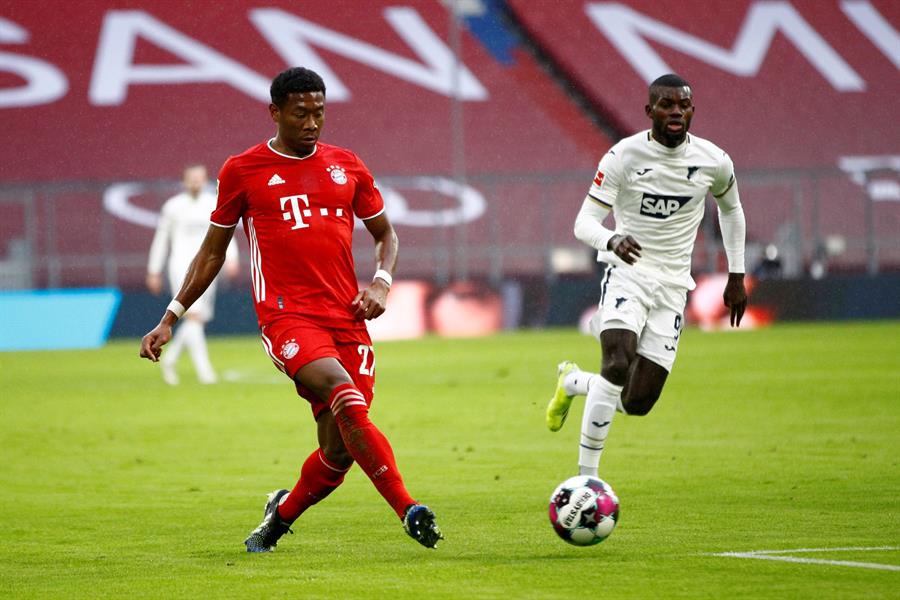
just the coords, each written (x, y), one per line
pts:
(190, 334)
(195, 340)
(577, 383)
(599, 408)
(170, 357)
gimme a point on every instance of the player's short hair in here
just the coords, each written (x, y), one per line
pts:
(669, 80)
(295, 80)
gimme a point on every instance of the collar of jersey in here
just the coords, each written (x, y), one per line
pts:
(665, 149)
(269, 146)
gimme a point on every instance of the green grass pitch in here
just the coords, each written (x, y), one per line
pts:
(114, 485)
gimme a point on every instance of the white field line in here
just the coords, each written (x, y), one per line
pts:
(782, 555)
(255, 377)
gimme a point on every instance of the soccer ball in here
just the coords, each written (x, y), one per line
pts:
(584, 510)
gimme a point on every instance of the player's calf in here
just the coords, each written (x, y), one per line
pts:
(369, 447)
(644, 387)
(638, 407)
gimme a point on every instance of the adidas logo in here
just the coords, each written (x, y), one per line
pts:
(275, 180)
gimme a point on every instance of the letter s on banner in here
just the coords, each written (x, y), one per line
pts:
(45, 83)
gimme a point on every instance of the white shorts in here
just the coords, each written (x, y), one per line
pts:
(653, 310)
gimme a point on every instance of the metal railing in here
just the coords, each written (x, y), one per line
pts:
(69, 234)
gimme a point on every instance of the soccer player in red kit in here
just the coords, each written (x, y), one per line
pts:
(297, 198)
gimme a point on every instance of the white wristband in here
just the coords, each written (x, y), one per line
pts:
(383, 275)
(177, 308)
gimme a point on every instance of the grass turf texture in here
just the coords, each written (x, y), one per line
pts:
(115, 485)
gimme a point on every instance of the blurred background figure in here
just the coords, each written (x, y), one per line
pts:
(769, 266)
(182, 225)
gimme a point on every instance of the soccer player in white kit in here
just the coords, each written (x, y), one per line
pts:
(655, 183)
(182, 226)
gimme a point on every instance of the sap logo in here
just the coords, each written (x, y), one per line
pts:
(662, 207)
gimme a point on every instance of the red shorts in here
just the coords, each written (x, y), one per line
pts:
(292, 343)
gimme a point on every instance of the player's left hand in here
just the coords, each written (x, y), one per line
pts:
(371, 302)
(152, 343)
(735, 297)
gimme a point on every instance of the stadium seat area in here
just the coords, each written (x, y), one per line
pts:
(801, 94)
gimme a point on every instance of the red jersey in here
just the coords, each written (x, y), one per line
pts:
(298, 217)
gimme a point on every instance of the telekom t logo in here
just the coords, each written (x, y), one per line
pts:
(295, 211)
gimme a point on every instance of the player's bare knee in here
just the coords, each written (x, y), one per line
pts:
(324, 386)
(331, 441)
(336, 453)
(333, 382)
(615, 369)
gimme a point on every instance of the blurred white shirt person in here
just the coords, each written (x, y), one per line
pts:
(180, 230)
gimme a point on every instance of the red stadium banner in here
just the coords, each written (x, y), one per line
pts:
(484, 160)
(777, 84)
(135, 90)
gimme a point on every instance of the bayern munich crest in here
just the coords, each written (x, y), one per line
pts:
(290, 349)
(338, 175)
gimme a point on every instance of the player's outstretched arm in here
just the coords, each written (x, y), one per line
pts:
(371, 301)
(200, 274)
(159, 249)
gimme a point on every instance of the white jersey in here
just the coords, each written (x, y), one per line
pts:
(182, 226)
(657, 195)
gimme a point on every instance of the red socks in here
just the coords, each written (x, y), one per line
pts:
(368, 446)
(318, 478)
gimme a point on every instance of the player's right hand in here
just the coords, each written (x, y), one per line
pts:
(154, 283)
(625, 247)
(152, 343)
(735, 297)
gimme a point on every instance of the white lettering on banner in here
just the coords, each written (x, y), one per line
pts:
(874, 174)
(44, 82)
(438, 71)
(875, 27)
(627, 28)
(114, 70)
(117, 201)
(471, 204)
